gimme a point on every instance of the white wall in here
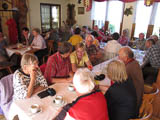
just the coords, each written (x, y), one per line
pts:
(34, 11)
(84, 19)
(128, 20)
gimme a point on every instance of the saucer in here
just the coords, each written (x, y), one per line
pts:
(61, 104)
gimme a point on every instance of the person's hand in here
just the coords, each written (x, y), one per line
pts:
(33, 74)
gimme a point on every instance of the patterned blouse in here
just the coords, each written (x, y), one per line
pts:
(21, 82)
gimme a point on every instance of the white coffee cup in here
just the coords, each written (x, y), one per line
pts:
(35, 108)
(71, 88)
(58, 99)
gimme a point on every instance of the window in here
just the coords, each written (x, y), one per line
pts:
(108, 11)
(50, 16)
(143, 14)
(115, 12)
(156, 30)
(99, 12)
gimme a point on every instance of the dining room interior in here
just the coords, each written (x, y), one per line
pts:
(79, 59)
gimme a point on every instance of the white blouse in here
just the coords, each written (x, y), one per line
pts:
(39, 42)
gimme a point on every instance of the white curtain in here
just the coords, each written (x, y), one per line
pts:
(156, 30)
(143, 15)
(114, 14)
(98, 13)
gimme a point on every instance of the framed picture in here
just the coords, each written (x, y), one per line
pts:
(80, 10)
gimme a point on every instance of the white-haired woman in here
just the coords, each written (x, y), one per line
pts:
(121, 96)
(90, 105)
(28, 80)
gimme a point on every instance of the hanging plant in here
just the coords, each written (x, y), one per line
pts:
(128, 11)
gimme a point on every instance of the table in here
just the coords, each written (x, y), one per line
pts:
(138, 55)
(49, 109)
(14, 49)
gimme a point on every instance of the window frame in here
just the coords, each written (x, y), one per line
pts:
(50, 6)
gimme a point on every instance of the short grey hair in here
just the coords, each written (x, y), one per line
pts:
(27, 59)
(83, 80)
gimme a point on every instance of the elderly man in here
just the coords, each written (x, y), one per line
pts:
(140, 42)
(134, 71)
(90, 104)
(58, 67)
(151, 61)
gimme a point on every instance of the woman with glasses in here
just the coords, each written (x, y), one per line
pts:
(28, 79)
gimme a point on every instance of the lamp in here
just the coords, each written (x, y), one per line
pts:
(148, 2)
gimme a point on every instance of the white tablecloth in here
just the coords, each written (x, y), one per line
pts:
(13, 49)
(49, 109)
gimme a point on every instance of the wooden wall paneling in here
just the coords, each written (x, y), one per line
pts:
(133, 30)
(149, 31)
(106, 26)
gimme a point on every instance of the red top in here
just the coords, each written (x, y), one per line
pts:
(57, 67)
(91, 107)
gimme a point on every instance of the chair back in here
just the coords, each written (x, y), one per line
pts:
(6, 93)
(149, 93)
(146, 111)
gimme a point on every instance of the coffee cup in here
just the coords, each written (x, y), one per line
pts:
(58, 99)
(35, 108)
(71, 88)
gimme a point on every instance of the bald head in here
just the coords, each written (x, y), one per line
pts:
(125, 53)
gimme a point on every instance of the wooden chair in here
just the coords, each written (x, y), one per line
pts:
(7, 66)
(149, 93)
(50, 46)
(146, 111)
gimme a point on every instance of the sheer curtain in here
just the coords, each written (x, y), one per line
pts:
(143, 14)
(156, 30)
(114, 15)
(99, 13)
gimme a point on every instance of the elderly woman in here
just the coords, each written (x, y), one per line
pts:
(121, 96)
(90, 104)
(38, 40)
(28, 80)
(79, 58)
(39, 43)
(94, 52)
(124, 39)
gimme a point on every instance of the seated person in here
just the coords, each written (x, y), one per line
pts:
(121, 96)
(155, 38)
(124, 39)
(151, 62)
(76, 38)
(101, 36)
(27, 37)
(39, 43)
(84, 32)
(134, 71)
(3, 44)
(58, 68)
(140, 42)
(94, 52)
(79, 58)
(38, 40)
(28, 80)
(90, 104)
(112, 47)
